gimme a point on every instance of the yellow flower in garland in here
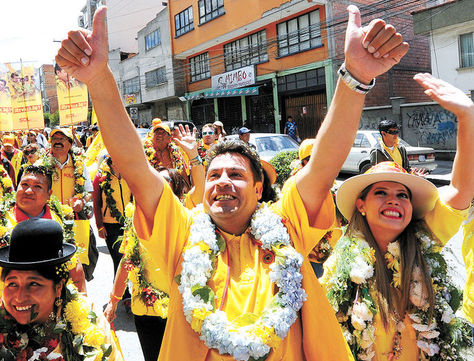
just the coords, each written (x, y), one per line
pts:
(199, 315)
(76, 312)
(99, 355)
(67, 211)
(392, 262)
(266, 334)
(81, 181)
(3, 231)
(202, 246)
(7, 182)
(94, 336)
(129, 210)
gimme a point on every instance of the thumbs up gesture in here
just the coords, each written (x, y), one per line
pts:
(84, 54)
(371, 50)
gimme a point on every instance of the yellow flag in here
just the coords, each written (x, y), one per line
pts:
(26, 101)
(92, 154)
(93, 117)
(73, 101)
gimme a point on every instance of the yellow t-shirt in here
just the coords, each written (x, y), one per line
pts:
(468, 255)
(444, 222)
(250, 288)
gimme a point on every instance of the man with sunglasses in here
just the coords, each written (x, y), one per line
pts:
(388, 148)
(209, 137)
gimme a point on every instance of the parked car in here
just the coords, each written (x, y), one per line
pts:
(358, 160)
(269, 144)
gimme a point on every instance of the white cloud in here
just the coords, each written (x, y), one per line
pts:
(28, 28)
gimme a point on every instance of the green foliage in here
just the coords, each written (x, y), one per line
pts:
(54, 119)
(282, 163)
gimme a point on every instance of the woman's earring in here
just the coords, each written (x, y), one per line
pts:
(363, 213)
(58, 302)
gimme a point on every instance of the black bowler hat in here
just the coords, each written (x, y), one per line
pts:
(36, 243)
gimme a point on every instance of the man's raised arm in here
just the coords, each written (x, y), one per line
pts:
(369, 51)
(84, 56)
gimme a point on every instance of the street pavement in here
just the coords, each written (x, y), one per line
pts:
(100, 287)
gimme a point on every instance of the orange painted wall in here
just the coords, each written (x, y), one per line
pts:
(273, 64)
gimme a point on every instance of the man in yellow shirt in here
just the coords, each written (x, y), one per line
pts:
(389, 149)
(241, 289)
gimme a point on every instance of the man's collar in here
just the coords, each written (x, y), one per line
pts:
(21, 215)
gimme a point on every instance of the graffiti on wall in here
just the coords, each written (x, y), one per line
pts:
(371, 123)
(432, 126)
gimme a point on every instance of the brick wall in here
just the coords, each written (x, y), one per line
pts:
(398, 82)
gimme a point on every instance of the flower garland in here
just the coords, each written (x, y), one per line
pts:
(151, 296)
(176, 157)
(74, 336)
(5, 182)
(259, 333)
(49, 162)
(105, 181)
(351, 285)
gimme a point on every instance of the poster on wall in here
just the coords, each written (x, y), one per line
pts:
(73, 101)
(25, 97)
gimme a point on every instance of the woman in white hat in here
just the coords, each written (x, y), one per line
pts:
(386, 279)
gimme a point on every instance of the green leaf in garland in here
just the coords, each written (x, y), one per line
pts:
(177, 279)
(221, 243)
(245, 319)
(92, 316)
(206, 293)
(107, 349)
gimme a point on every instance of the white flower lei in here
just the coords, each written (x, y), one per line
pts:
(256, 338)
(356, 262)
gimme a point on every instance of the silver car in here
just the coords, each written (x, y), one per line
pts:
(358, 160)
(269, 144)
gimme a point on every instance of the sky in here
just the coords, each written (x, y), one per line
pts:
(29, 27)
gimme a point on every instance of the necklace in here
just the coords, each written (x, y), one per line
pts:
(254, 338)
(439, 337)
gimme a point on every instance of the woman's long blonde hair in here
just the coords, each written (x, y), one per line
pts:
(411, 255)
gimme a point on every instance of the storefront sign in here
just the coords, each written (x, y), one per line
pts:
(130, 99)
(234, 79)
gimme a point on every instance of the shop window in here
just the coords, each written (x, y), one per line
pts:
(153, 39)
(155, 77)
(210, 9)
(199, 67)
(467, 50)
(246, 51)
(131, 86)
(299, 34)
(184, 21)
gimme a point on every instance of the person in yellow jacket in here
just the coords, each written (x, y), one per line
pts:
(14, 155)
(33, 200)
(150, 300)
(468, 255)
(73, 187)
(224, 301)
(386, 279)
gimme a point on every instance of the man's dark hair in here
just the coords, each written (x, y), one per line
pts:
(387, 124)
(238, 147)
(40, 170)
(289, 117)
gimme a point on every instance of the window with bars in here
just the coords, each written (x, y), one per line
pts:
(210, 9)
(299, 34)
(199, 67)
(246, 51)
(155, 77)
(184, 21)
(153, 39)
(131, 86)
(466, 50)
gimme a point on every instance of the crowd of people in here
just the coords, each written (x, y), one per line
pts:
(221, 266)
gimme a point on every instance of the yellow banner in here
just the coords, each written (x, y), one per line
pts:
(5, 104)
(25, 96)
(73, 101)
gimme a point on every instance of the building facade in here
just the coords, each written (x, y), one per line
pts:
(449, 27)
(48, 88)
(147, 80)
(253, 63)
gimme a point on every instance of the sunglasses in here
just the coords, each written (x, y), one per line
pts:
(207, 133)
(393, 132)
(28, 152)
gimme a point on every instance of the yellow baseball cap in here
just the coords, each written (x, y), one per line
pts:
(66, 131)
(306, 148)
(9, 139)
(157, 123)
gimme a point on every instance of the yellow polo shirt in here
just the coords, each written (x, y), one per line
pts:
(315, 335)
(444, 222)
(394, 153)
(468, 255)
